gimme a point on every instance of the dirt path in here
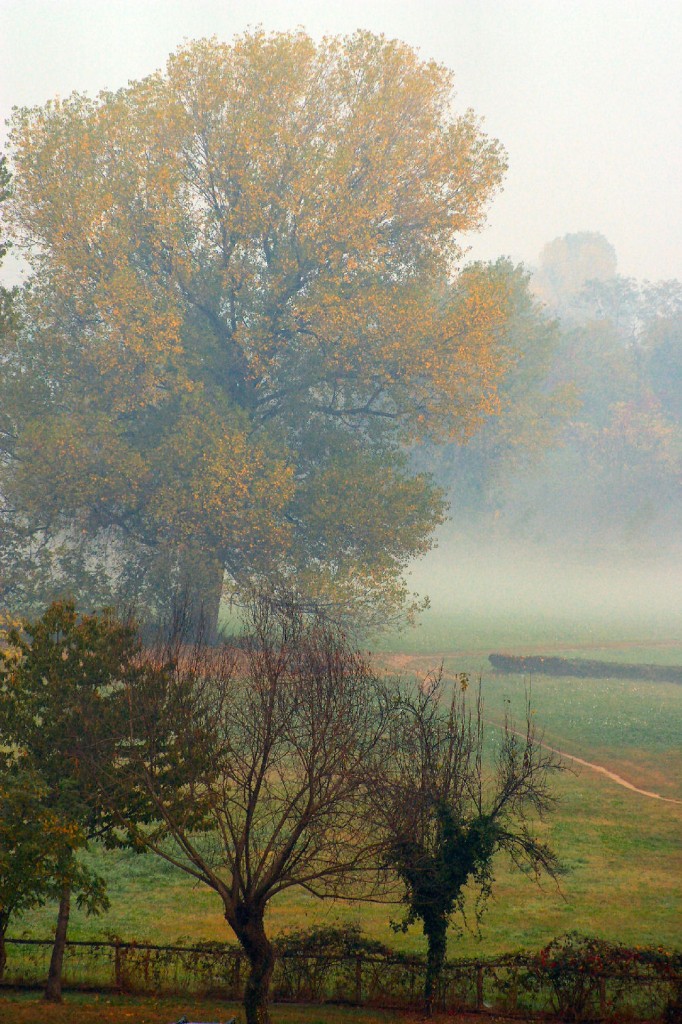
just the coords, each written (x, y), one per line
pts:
(612, 775)
(601, 769)
(411, 662)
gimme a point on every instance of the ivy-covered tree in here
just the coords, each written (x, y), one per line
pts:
(445, 812)
(245, 304)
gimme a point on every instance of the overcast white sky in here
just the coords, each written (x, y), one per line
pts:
(586, 95)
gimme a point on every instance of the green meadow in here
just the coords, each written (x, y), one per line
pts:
(622, 851)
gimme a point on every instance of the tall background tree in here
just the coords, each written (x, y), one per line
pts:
(245, 304)
(586, 447)
(534, 404)
(616, 479)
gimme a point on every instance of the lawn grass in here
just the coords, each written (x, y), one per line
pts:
(622, 852)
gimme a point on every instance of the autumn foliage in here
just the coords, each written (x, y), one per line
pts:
(246, 299)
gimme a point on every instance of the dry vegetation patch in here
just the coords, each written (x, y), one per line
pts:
(120, 1011)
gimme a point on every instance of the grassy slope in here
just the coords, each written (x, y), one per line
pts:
(623, 850)
(630, 727)
(624, 883)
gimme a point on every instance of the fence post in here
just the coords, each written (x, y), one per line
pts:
(358, 979)
(514, 989)
(238, 977)
(118, 970)
(479, 988)
(602, 995)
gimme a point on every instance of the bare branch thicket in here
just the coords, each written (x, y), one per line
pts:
(255, 761)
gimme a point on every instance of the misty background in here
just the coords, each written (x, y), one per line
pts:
(568, 504)
(565, 508)
(586, 97)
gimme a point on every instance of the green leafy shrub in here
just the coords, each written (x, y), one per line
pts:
(574, 965)
(316, 964)
(335, 940)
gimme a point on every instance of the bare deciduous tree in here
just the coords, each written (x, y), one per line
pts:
(256, 759)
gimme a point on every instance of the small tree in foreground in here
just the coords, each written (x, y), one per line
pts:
(444, 814)
(58, 681)
(255, 759)
(37, 852)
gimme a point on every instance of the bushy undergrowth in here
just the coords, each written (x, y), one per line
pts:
(340, 941)
(576, 977)
(573, 966)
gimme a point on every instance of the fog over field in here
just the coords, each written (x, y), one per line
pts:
(638, 595)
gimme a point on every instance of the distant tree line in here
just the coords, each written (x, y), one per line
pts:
(588, 444)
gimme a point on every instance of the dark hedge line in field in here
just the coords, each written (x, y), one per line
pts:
(583, 668)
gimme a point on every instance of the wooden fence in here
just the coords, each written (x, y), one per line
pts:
(516, 984)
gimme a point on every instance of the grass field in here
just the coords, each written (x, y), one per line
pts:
(623, 851)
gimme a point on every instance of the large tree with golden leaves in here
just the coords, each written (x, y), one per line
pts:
(246, 303)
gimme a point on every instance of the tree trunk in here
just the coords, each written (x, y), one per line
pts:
(201, 587)
(247, 923)
(53, 989)
(436, 938)
(4, 921)
(214, 575)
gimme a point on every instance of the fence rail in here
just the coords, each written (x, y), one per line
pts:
(516, 984)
